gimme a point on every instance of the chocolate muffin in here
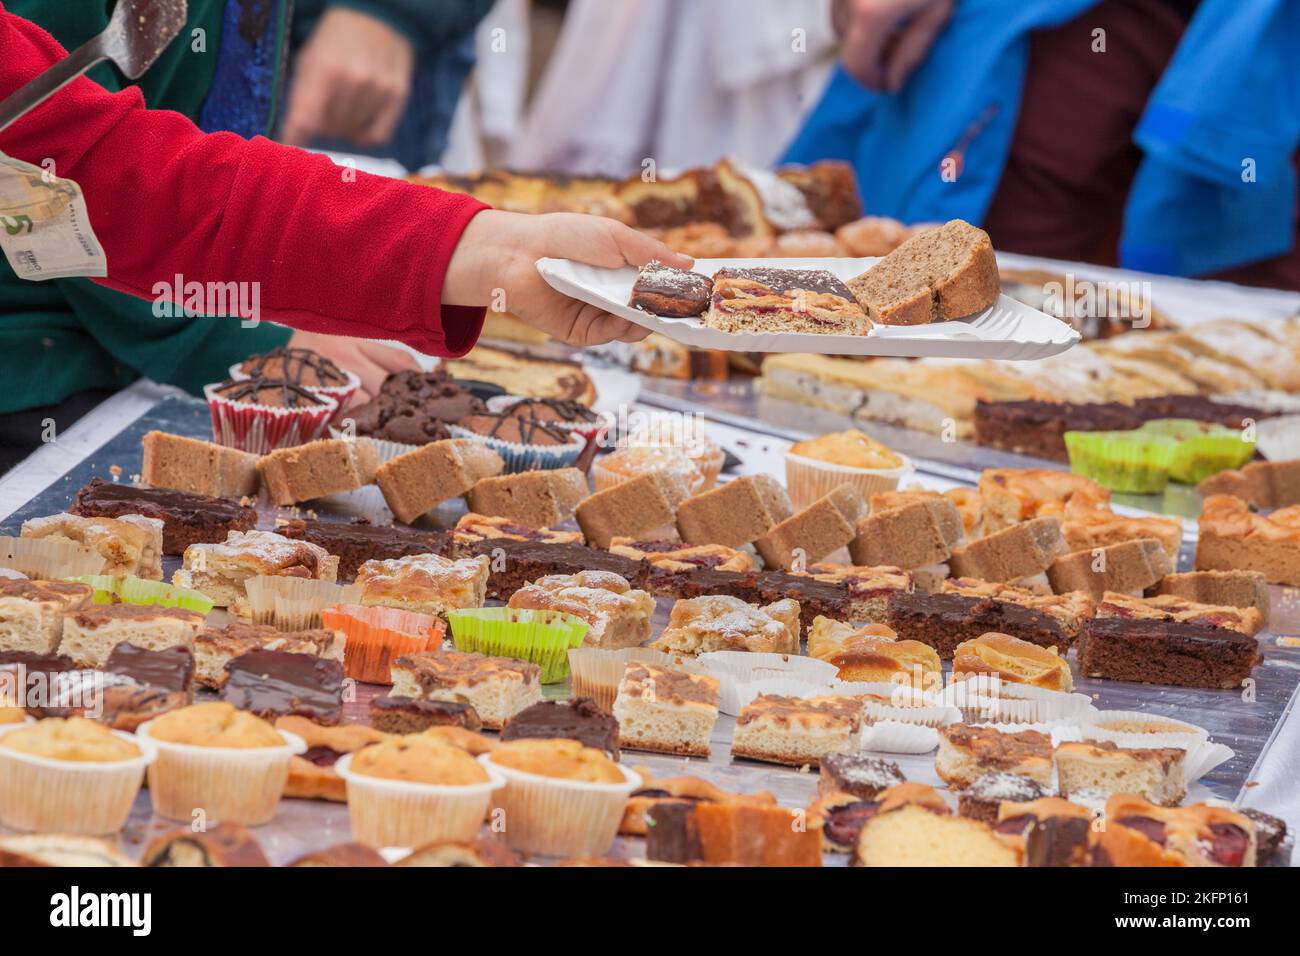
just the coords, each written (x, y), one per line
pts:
(269, 392)
(300, 366)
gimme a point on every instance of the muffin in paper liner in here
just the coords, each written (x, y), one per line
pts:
(229, 784)
(808, 479)
(596, 672)
(387, 812)
(588, 431)
(551, 816)
(47, 559)
(542, 637)
(132, 590)
(294, 604)
(377, 636)
(45, 795)
(520, 457)
(893, 737)
(342, 394)
(264, 428)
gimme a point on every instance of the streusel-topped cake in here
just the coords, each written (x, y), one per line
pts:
(221, 570)
(427, 583)
(721, 623)
(618, 615)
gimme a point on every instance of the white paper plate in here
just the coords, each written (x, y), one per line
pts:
(1007, 330)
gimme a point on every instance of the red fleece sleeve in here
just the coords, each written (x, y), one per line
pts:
(332, 249)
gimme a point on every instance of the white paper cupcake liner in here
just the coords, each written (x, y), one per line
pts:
(596, 672)
(1278, 439)
(808, 479)
(1187, 737)
(1060, 731)
(1016, 703)
(49, 559)
(555, 817)
(892, 737)
(519, 457)
(746, 666)
(342, 394)
(294, 604)
(404, 813)
(228, 784)
(263, 428)
(743, 676)
(42, 795)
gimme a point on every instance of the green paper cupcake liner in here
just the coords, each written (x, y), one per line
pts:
(542, 637)
(1133, 461)
(1203, 449)
(132, 590)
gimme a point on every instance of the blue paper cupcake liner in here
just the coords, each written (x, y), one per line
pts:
(526, 457)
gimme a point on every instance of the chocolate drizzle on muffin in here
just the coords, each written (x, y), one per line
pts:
(524, 431)
(299, 366)
(272, 392)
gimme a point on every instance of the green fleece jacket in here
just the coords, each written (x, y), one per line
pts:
(64, 335)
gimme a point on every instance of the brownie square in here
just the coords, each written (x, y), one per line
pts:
(1166, 652)
(945, 620)
(355, 543)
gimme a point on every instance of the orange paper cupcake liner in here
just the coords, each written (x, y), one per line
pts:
(377, 636)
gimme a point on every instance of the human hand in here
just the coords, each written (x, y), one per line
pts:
(371, 361)
(883, 41)
(494, 264)
(351, 81)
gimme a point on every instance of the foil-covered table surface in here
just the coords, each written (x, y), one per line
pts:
(1247, 722)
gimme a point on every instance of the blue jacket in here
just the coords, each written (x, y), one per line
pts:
(1215, 189)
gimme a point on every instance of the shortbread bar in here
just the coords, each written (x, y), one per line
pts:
(1020, 551)
(665, 711)
(535, 499)
(634, 508)
(420, 480)
(814, 533)
(323, 467)
(1127, 568)
(734, 514)
(1242, 589)
(197, 467)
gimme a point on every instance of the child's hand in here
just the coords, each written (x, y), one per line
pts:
(494, 265)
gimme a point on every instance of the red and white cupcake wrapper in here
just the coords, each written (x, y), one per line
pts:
(263, 428)
(340, 393)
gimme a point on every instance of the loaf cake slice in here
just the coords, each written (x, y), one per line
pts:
(937, 275)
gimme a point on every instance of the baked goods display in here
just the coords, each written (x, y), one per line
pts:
(816, 647)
